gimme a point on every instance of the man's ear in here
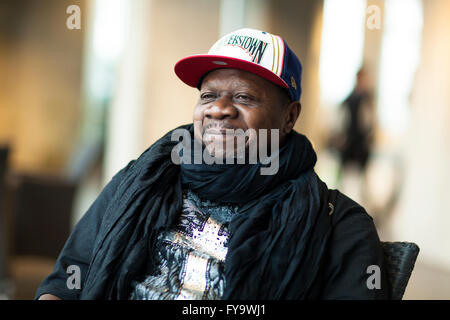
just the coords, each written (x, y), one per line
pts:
(292, 113)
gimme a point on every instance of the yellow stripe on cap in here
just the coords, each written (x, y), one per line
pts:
(278, 54)
(273, 53)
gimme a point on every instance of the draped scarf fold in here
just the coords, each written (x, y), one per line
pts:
(277, 240)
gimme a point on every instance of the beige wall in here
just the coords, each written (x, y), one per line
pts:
(178, 28)
(423, 215)
(300, 24)
(40, 70)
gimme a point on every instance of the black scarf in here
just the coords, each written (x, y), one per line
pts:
(277, 240)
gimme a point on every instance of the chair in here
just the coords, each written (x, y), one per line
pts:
(4, 151)
(5, 283)
(42, 211)
(400, 259)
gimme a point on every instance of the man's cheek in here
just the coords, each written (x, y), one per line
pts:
(198, 130)
(198, 113)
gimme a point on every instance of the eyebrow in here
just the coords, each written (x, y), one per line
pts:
(209, 86)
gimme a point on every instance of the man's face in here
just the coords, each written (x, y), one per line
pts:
(236, 99)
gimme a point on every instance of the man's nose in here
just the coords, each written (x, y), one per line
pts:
(221, 108)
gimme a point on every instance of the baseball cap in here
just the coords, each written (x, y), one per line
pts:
(259, 52)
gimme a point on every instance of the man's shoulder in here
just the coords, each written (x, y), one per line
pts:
(354, 246)
(347, 209)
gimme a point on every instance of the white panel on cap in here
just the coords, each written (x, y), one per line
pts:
(271, 56)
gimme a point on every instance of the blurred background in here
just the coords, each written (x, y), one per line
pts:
(88, 85)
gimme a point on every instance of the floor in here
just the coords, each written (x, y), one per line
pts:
(428, 283)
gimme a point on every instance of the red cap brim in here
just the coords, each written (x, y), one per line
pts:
(191, 69)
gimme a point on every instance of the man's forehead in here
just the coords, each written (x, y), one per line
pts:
(233, 77)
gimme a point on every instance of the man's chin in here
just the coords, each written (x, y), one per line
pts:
(221, 152)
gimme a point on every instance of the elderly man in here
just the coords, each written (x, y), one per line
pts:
(172, 225)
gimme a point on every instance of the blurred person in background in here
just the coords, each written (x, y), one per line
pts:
(354, 142)
(160, 230)
(359, 127)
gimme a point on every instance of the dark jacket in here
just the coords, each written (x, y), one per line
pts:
(354, 246)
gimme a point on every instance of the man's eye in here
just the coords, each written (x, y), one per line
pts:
(207, 96)
(243, 97)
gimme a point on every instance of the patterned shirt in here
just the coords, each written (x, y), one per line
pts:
(190, 257)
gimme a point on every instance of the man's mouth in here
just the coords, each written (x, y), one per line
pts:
(219, 129)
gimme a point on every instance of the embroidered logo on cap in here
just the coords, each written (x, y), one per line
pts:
(253, 46)
(293, 84)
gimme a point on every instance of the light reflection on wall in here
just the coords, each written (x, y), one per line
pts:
(399, 60)
(106, 30)
(342, 48)
(106, 40)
